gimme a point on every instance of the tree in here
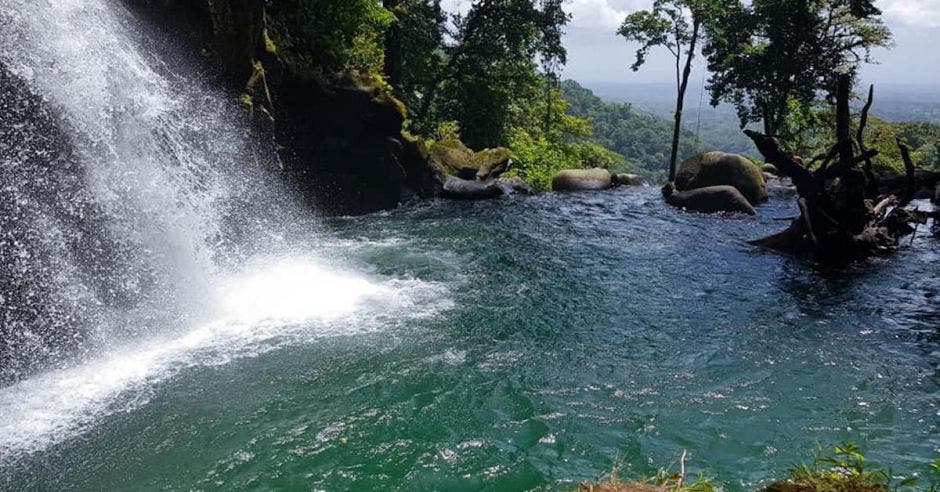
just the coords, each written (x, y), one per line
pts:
(667, 25)
(771, 57)
(320, 37)
(414, 52)
(491, 63)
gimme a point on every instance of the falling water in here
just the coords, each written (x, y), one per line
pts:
(135, 213)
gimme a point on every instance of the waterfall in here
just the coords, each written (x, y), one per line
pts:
(139, 233)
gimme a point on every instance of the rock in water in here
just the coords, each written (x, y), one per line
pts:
(770, 169)
(722, 169)
(514, 185)
(624, 179)
(709, 199)
(457, 159)
(492, 163)
(465, 189)
(582, 180)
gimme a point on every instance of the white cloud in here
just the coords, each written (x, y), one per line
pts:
(595, 14)
(601, 15)
(918, 13)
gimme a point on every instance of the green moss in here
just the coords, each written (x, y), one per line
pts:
(269, 45)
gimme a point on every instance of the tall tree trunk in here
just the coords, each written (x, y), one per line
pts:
(680, 100)
(393, 48)
(843, 121)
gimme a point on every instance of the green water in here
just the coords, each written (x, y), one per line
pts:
(563, 333)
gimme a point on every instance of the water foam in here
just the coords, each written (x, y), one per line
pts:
(174, 181)
(272, 304)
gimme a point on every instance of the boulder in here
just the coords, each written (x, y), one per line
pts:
(710, 199)
(770, 169)
(515, 185)
(936, 194)
(456, 159)
(492, 163)
(466, 189)
(582, 180)
(345, 151)
(624, 179)
(424, 178)
(722, 169)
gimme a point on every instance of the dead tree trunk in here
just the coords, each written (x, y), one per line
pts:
(840, 219)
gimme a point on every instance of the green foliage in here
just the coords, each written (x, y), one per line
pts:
(541, 147)
(320, 37)
(845, 469)
(764, 55)
(810, 134)
(417, 55)
(668, 25)
(487, 64)
(644, 140)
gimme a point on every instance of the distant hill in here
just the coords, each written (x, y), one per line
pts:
(638, 124)
(893, 102)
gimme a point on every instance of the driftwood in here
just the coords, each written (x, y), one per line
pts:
(842, 218)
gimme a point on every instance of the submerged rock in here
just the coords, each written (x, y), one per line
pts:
(624, 179)
(515, 185)
(709, 199)
(472, 189)
(582, 180)
(466, 189)
(719, 168)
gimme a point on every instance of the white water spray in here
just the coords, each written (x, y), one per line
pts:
(168, 168)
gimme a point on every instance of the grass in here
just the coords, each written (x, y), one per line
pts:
(844, 469)
(663, 481)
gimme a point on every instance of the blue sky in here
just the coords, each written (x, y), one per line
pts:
(596, 54)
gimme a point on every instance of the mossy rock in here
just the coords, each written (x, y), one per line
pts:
(582, 180)
(718, 169)
(770, 169)
(456, 159)
(491, 163)
(423, 176)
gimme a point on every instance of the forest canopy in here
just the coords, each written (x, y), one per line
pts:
(491, 76)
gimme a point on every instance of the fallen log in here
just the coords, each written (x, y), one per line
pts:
(841, 218)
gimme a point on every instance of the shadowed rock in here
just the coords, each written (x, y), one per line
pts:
(465, 189)
(514, 185)
(624, 179)
(710, 199)
(718, 168)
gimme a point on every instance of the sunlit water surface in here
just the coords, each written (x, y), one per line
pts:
(513, 344)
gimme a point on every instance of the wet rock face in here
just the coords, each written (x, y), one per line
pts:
(722, 169)
(343, 148)
(339, 140)
(51, 232)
